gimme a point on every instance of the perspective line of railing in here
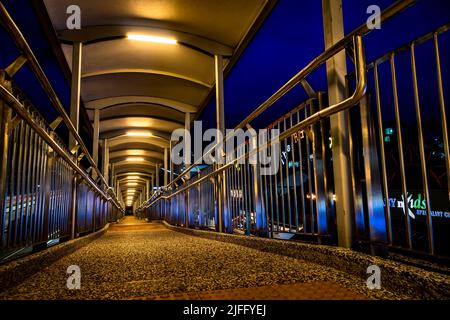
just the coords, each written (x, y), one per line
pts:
(359, 92)
(6, 96)
(28, 54)
(387, 14)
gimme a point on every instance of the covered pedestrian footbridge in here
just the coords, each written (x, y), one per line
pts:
(256, 149)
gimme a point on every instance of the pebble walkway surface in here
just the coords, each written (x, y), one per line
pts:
(137, 260)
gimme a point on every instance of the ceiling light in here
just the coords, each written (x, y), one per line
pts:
(132, 184)
(142, 134)
(135, 159)
(155, 39)
(133, 177)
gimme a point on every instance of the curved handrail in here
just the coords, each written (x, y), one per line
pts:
(15, 104)
(322, 58)
(26, 51)
(360, 90)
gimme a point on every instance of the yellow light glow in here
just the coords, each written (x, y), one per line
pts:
(154, 39)
(133, 178)
(139, 134)
(135, 159)
(132, 184)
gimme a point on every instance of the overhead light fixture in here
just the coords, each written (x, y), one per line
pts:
(135, 159)
(139, 134)
(133, 178)
(137, 178)
(132, 184)
(154, 39)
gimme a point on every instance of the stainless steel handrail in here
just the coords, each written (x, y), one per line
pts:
(326, 55)
(361, 78)
(22, 44)
(15, 104)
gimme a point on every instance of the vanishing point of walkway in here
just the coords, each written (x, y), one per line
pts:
(139, 260)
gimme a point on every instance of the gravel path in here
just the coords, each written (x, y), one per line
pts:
(128, 264)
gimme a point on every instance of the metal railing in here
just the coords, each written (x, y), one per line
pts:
(29, 57)
(299, 201)
(40, 200)
(249, 205)
(399, 133)
(37, 187)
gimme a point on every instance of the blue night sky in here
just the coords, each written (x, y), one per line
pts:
(290, 38)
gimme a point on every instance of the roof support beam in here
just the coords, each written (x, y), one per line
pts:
(75, 93)
(146, 71)
(95, 34)
(95, 139)
(336, 71)
(108, 102)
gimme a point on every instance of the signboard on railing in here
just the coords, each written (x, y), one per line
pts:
(417, 207)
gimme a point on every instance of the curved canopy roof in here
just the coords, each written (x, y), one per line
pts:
(146, 85)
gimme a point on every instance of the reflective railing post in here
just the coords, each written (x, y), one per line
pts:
(5, 131)
(48, 196)
(374, 193)
(319, 176)
(336, 71)
(258, 200)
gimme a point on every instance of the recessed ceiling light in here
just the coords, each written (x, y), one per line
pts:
(133, 178)
(142, 134)
(135, 159)
(154, 39)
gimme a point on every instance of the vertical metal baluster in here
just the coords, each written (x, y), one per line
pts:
(294, 177)
(245, 194)
(444, 122)
(242, 201)
(283, 209)
(34, 184)
(400, 151)
(288, 186)
(308, 161)
(319, 176)
(69, 198)
(250, 191)
(387, 208)
(37, 214)
(328, 195)
(24, 173)
(302, 188)
(63, 219)
(43, 150)
(422, 152)
(57, 201)
(51, 210)
(264, 187)
(54, 216)
(228, 193)
(18, 180)
(86, 197)
(28, 182)
(272, 202)
(55, 198)
(233, 196)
